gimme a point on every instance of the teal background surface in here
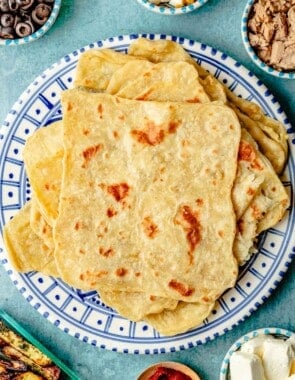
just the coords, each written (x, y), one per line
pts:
(79, 23)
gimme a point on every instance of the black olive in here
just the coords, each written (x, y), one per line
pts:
(4, 7)
(13, 5)
(41, 13)
(7, 32)
(23, 29)
(25, 4)
(7, 19)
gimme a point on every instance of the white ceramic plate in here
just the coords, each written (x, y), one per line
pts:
(82, 314)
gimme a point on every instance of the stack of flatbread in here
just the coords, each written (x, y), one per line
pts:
(152, 189)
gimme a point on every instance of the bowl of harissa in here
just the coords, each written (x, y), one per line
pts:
(268, 29)
(24, 21)
(172, 7)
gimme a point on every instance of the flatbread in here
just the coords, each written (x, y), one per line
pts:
(124, 196)
(270, 134)
(40, 151)
(26, 251)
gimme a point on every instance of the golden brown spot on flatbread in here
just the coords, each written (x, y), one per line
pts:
(111, 212)
(273, 189)
(221, 234)
(188, 219)
(106, 252)
(82, 251)
(151, 136)
(247, 153)
(231, 126)
(89, 275)
(194, 100)
(149, 227)
(118, 191)
(69, 106)
(121, 117)
(115, 134)
(137, 274)
(121, 272)
(256, 212)
(44, 229)
(199, 201)
(100, 110)
(145, 95)
(173, 125)
(89, 153)
(205, 299)
(181, 288)
(78, 225)
(86, 132)
(250, 191)
(153, 298)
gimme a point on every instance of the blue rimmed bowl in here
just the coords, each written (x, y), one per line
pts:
(171, 11)
(262, 65)
(39, 33)
(274, 331)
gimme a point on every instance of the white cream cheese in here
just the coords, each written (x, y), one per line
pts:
(244, 366)
(276, 359)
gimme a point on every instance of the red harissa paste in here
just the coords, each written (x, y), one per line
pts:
(163, 373)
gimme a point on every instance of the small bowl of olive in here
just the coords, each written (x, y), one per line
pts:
(23, 21)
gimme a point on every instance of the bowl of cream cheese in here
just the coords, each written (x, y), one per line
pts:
(264, 354)
(268, 33)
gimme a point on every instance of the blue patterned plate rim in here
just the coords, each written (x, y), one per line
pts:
(82, 314)
(263, 66)
(275, 331)
(172, 11)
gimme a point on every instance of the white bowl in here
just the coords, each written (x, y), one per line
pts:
(274, 331)
(251, 52)
(171, 11)
(39, 33)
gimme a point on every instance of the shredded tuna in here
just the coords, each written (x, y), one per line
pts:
(271, 26)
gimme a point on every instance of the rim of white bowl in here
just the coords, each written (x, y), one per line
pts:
(171, 11)
(39, 33)
(224, 371)
(244, 30)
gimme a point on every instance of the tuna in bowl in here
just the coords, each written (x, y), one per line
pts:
(268, 30)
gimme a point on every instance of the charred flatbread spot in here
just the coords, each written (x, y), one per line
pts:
(247, 153)
(86, 132)
(116, 134)
(89, 153)
(137, 274)
(121, 272)
(153, 298)
(100, 110)
(119, 191)
(149, 227)
(109, 252)
(111, 212)
(273, 189)
(182, 289)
